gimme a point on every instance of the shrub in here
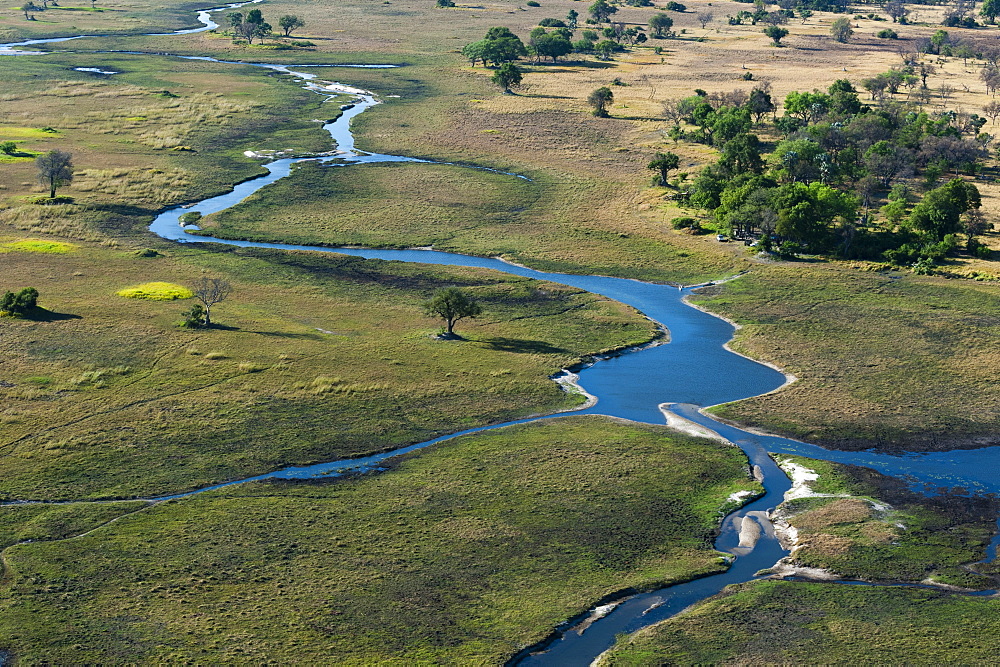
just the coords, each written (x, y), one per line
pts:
(156, 291)
(552, 23)
(887, 33)
(532, 3)
(684, 222)
(21, 303)
(189, 218)
(676, 7)
(148, 252)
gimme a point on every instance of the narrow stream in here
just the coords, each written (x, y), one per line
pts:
(693, 371)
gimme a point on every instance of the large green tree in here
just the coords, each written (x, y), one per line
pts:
(290, 22)
(507, 76)
(663, 163)
(600, 99)
(452, 304)
(601, 10)
(660, 25)
(940, 211)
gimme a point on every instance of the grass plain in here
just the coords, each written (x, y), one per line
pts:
(465, 553)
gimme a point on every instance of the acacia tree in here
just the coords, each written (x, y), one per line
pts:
(452, 304)
(290, 22)
(660, 25)
(211, 291)
(841, 30)
(601, 10)
(507, 76)
(775, 33)
(663, 163)
(55, 168)
(600, 99)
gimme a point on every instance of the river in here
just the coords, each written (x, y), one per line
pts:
(694, 370)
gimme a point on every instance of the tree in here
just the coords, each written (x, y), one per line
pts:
(992, 109)
(507, 77)
(600, 99)
(21, 303)
(660, 25)
(704, 18)
(896, 10)
(29, 9)
(605, 48)
(451, 304)
(572, 18)
(841, 30)
(211, 291)
(741, 155)
(290, 22)
(551, 45)
(775, 33)
(663, 163)
(8, 147)
(760, 104)
(235, 19)
(601, 10)
(990, 9)
(940, 211)
(55, 169)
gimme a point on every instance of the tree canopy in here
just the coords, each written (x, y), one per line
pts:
(55, 169)
(451, 304)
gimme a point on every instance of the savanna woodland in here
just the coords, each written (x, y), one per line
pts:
(821, 173)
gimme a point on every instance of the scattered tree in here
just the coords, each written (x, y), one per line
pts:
(601, 10)
(290, 22)
(990, 10)
(507, 76)
(704, 18)
(452, 304)
(897, 11)
(572, 18)
(29, 9)
(600, 99)
(8, 147)
(194, 318)
(660, 25)
(992, 109)
(235, 19)
(55, 169)
(19, 304)
(211, 291)
(663, 163)
(841, 30)
(775, 33)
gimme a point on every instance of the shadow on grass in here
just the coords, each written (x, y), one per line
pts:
(288, 334)
(521, 345)
(43, 315)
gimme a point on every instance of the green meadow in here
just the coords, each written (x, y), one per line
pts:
(464, 553)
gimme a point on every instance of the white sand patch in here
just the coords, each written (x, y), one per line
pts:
(570, 383)
(800, 476)
(347, 90)
(749, 533)
(738, 496)
(683, 425)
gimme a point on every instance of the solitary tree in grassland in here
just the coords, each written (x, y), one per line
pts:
(55, 168)
(775, 33)
(211, 291)
(600, 99)
(507, 76)
(451, 304)
(19, 304)
(704, 18)
(663, 163)
(841, 30)
(290, 22)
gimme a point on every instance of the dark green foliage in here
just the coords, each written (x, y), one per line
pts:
(532, 3)
(499, 46)
(776, 33)
(21, 303)
(684, 222)
(939, 213)
(452, 304)
(660, 25)
(445, 3)
(663, 163)
(887, 33)
(601, 10)
(194, 318)
(55, 168)
(675, 7)
(600, 99)
(507, 76)
(290, 22)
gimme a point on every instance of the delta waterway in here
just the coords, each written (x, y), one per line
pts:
(677, 379)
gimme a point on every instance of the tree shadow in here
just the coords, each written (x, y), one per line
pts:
(521, 345)
(290, 335)
(38, 314)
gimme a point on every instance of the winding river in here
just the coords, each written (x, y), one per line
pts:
(694, 370)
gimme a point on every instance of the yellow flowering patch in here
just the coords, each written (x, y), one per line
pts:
(156, 292)
(34, 245)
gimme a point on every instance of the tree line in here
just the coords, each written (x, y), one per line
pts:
(839, 176)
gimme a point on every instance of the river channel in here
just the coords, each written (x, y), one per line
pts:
(693, 371)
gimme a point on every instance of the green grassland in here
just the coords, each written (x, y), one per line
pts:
(75, 17)
(892, 361)
(800, 623)
(877, 530)
(320, 357)
(463, 554)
